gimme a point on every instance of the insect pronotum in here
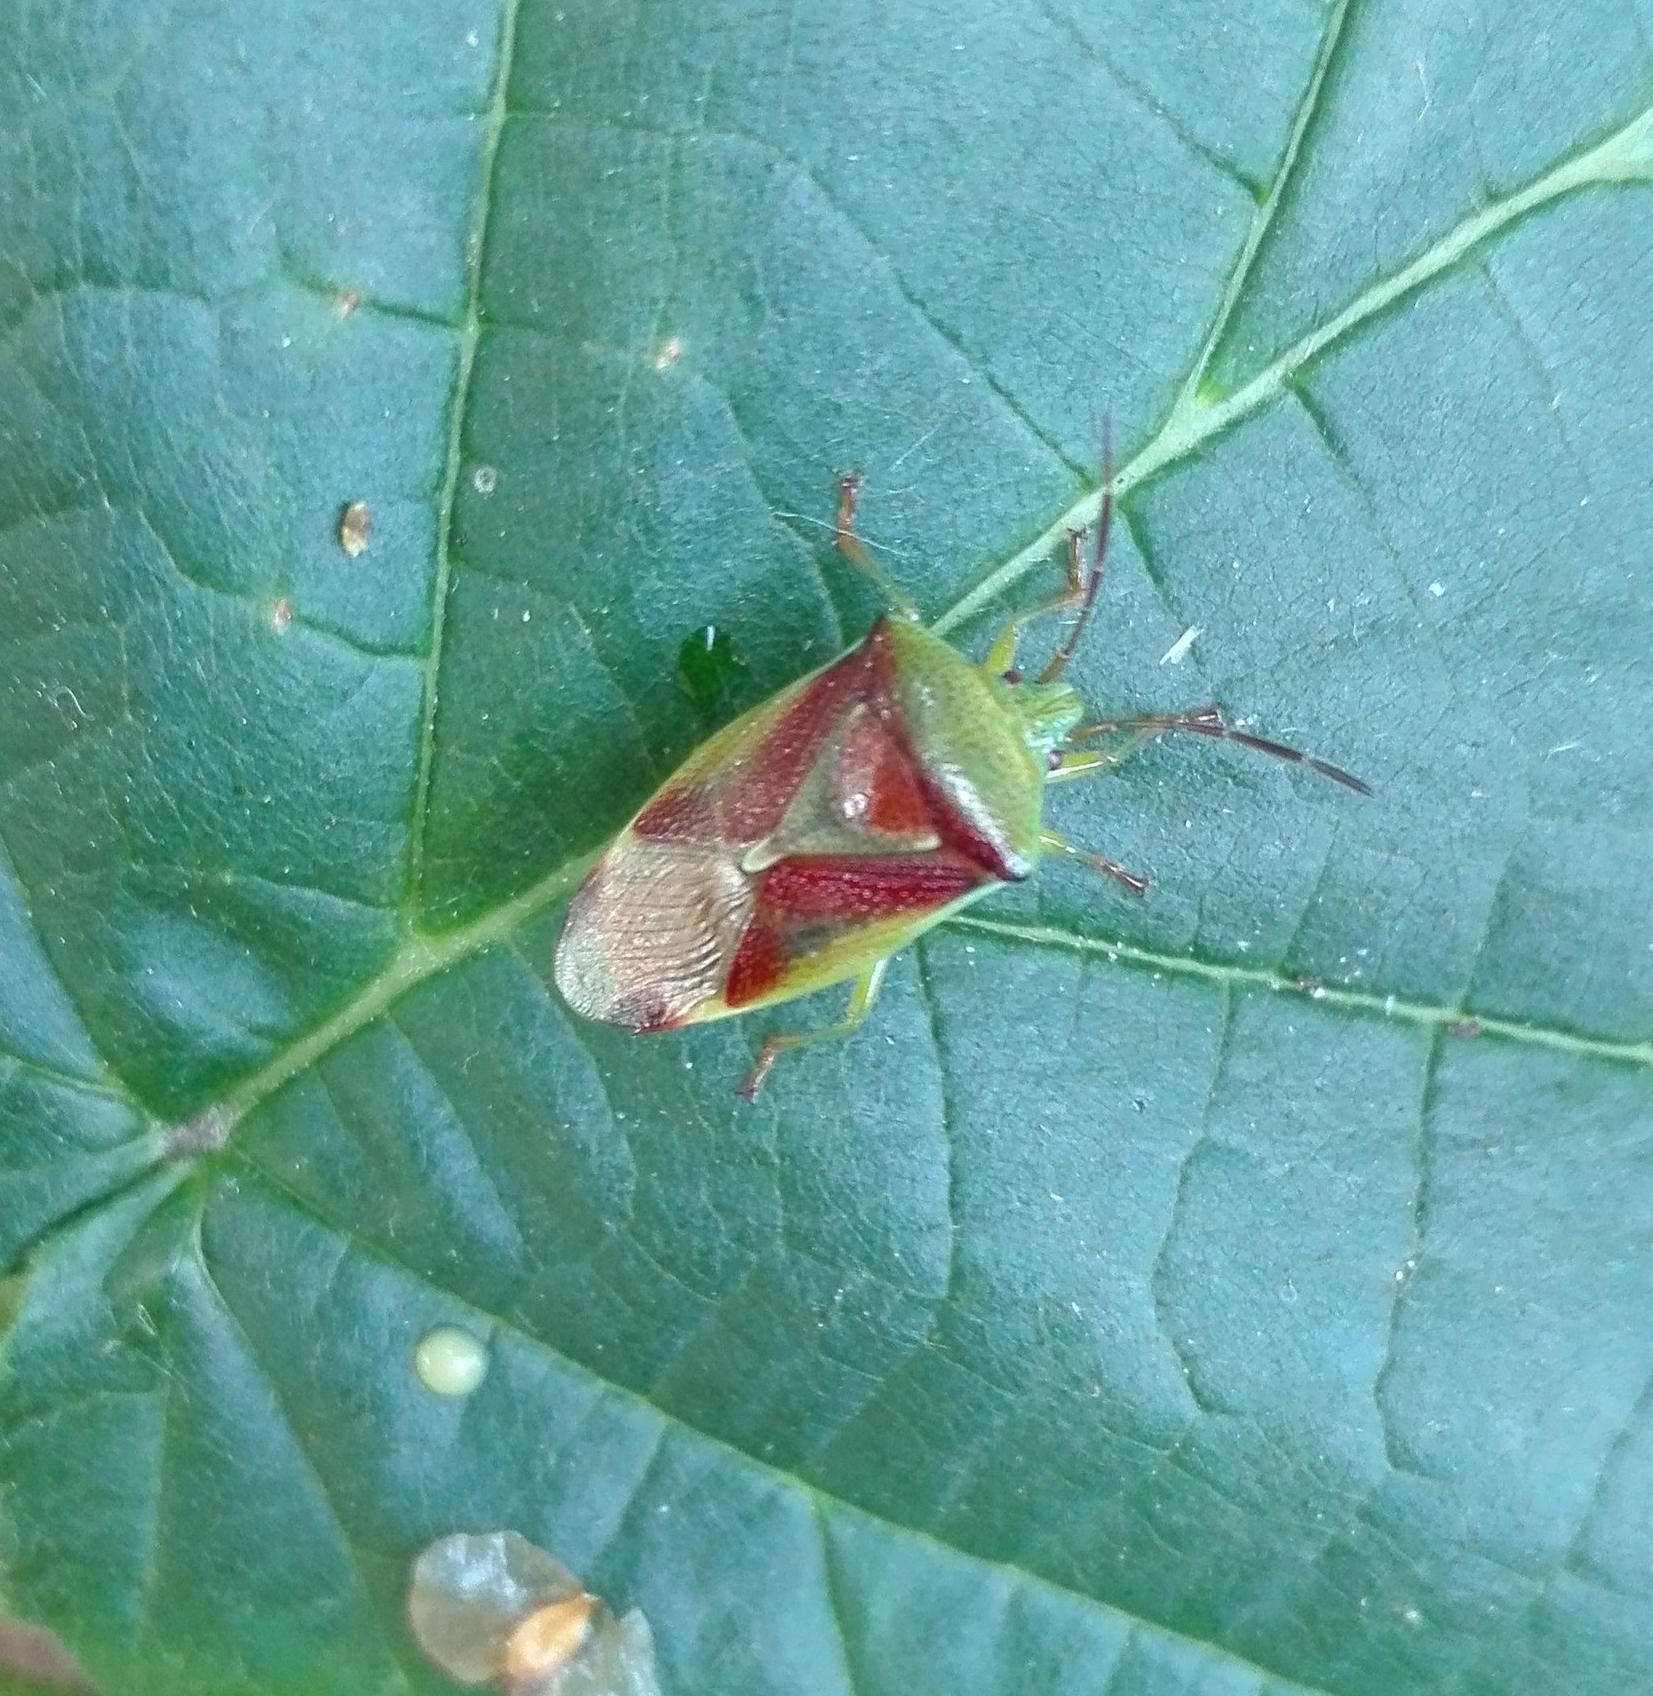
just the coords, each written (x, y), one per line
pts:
(824, 830)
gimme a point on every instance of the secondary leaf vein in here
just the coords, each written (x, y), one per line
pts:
(469, 334)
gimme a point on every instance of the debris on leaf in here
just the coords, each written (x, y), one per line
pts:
(354, 524)
(492, 1607)
(709, 671)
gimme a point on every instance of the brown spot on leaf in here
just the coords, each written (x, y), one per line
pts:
(354, 524)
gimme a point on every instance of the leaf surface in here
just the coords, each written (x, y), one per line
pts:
(1245, 1289)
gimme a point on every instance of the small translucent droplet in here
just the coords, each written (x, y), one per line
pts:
(449, 1361)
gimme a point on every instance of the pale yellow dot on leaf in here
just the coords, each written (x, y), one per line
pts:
(450, 1361)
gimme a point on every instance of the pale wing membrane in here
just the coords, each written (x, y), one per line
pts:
(650, 936)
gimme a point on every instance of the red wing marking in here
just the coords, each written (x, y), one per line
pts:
(958, 833)
(941, 812)
(806, 901)
(758, 965)
(873, 785)
(808, 888)
(757, 795)
(683, 814)
(877, 763)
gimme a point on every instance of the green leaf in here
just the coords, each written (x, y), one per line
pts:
(1243, 1289)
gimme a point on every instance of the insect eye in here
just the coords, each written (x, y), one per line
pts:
(1013, 675)
(1053, 760)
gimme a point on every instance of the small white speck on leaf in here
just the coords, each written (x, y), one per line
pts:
(1178, 651)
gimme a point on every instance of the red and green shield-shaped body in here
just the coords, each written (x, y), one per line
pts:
(814, 836)
(830, 826)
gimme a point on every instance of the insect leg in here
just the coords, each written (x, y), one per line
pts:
(854, 549)
(861, 999)
(1209, 721)
(1081, 590)
(1058, 662)
(1071, 763)
(1054, 844)
(1001, 656)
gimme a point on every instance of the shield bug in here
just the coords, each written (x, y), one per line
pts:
(828, 827)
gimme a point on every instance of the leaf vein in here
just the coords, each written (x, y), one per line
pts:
(1359, 1001)
(1189, 427)
(469, 335)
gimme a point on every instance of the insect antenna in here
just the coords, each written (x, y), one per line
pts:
(1209, 721)
(1059, 660)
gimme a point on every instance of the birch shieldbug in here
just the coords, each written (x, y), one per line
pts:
(828, 827)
